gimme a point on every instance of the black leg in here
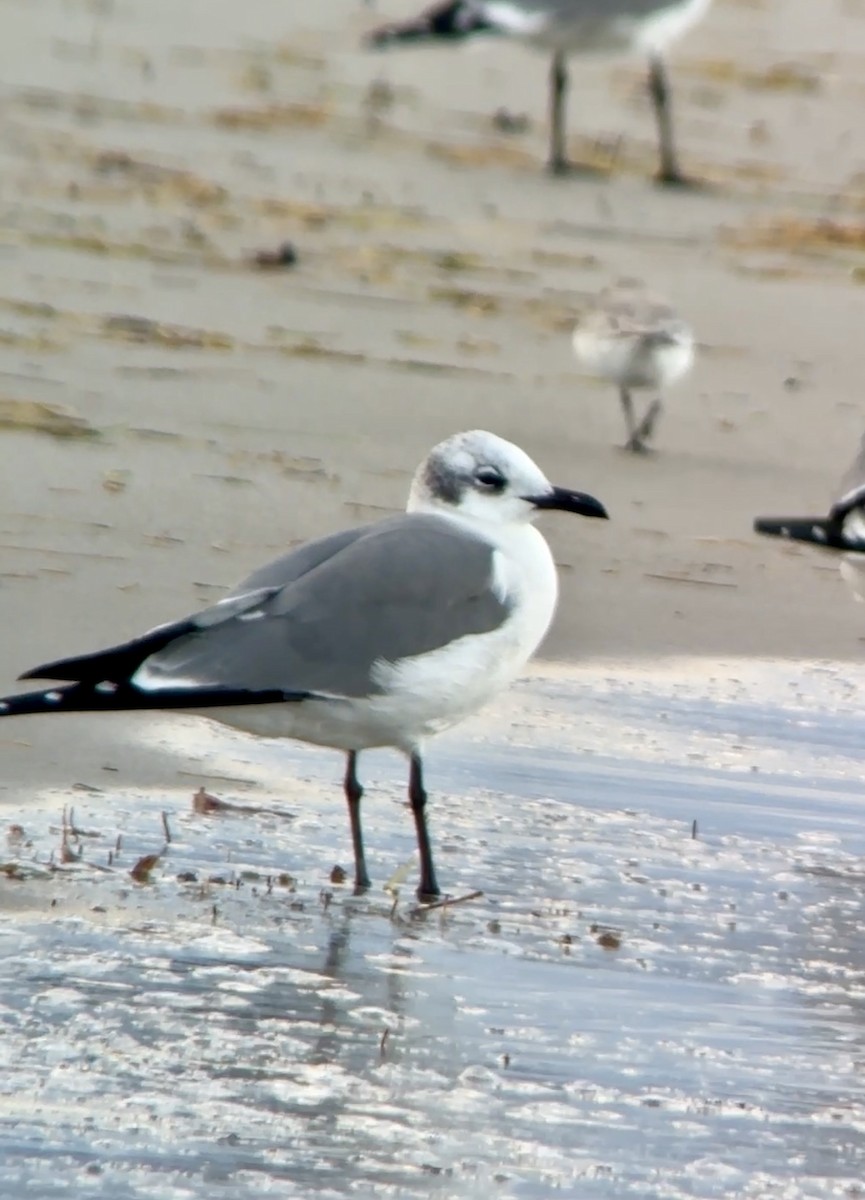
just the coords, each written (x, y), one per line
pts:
(659, 90)
(558, 163)
(646, 428)
(633, 443)
(428, 888)
(638, 433)
(353, 794)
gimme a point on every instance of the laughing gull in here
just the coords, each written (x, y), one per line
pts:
(564, 28)
(842, 529)
(636, 340)
(377, 636)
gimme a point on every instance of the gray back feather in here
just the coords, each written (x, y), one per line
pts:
(319, 618)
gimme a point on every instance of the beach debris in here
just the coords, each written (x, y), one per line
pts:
(447, 902)
(607, 938)
(206, 804)
(142, 869)
(505, 121)
(285, 255)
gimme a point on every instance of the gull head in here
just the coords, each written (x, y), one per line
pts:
(480, 476)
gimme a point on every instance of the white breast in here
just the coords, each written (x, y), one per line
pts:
(669, 23)
(434, 691)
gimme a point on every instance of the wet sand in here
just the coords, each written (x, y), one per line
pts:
(172, 414)
(627, 1009)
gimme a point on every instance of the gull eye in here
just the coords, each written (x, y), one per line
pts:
(490, 479)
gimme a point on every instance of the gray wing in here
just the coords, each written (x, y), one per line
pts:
(320, 618)
(289, 567)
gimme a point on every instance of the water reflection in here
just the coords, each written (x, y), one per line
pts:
(224, 1041)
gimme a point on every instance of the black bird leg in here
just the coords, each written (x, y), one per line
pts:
(659, 89)
(634, 442)
(353, 794)
(637, 433)
(628, 411)
(558, 162)
(428, 888)
(646, 428)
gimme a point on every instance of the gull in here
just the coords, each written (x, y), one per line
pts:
(636, 340)
(564, 28)
(381, 635)
(842, 529)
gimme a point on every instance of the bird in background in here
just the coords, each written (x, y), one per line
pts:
(382, 635)
(565, 29)
(842, 529)
(636, 340)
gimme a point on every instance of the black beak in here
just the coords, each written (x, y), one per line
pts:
(567, 501)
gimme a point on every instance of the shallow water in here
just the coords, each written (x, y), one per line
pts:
(252, 1028)
(261, 1035)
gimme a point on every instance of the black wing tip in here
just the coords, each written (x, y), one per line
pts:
(69, 670)
(451, 20)
(46, 671)
(777, 526)
(116, 664)
(816, 531)
(44, 701)
(52, 671)
(109, 697)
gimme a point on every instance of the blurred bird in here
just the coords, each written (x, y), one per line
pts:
(564, 28)
(637, 341)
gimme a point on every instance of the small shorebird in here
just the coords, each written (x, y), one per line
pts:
(565, 28)
(377, 636)
(842, 529)
(637, 341)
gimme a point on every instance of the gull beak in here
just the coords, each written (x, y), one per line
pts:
(565, 500)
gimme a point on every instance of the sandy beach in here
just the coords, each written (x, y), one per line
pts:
(214, 413)
(173, 412)
(235, 411)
